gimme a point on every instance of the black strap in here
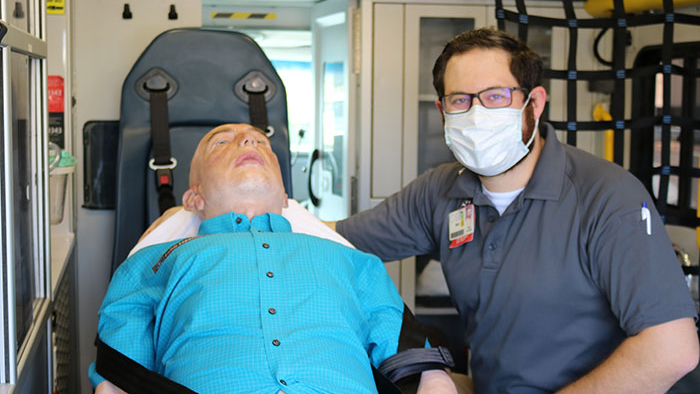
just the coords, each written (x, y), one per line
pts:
(131, 376)
(257, 110)
(413, 334)
(413, 361)
(162, 160)
(522, 20)
(571, 83)
(134, 378)
(384, 385)
(666, 58)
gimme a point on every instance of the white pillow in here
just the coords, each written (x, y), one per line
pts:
(186, 224)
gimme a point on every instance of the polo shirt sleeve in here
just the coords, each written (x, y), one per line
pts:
(638, 272)
(383, 309)
(402, 224)
(128, 312)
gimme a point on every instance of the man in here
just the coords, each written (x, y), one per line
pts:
(248, 306)
(565, 276)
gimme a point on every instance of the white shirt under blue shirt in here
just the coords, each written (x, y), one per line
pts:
(249, 306)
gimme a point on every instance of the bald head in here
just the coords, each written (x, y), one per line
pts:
(235, 170)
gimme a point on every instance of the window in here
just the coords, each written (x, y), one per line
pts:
(23, 224)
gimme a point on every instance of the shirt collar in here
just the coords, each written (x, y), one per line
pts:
(547, 180)
(545, 184)
(233, 223)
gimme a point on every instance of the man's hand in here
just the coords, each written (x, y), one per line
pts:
(649, 362)
(106, 387)
(436, 381)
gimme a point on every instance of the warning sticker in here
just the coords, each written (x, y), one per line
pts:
(56, 7)
(244, 15)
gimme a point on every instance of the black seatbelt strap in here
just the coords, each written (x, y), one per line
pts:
(134, 378)
(257, 110)
(131, 376)
(413, 361)
(412, 356)
(413, 334)
(384, 385)
(162, 162)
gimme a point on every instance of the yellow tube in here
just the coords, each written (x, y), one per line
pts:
(604, 8)
(600, 114)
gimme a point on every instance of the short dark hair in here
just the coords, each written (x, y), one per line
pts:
(525, 64)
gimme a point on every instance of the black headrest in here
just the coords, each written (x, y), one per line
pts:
(204, 73)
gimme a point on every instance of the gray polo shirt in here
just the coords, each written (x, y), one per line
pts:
(552, 287)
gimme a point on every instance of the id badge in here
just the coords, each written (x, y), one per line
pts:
(461, 225)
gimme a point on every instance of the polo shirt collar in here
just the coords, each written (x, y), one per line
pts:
(546, 182)
(233, 223)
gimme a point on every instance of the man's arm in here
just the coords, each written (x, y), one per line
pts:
(436, 381)
(393, 329)
(106, 387)
(649, 362)
(127, 315)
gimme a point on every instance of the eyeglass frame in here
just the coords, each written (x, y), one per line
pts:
(476, 95)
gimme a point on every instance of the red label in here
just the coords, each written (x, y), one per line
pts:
(56, 93)
(462, 240)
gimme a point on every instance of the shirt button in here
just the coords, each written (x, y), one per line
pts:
(270, 274)
(266, 245)
(272, 311)
(283, 382)
(276, 342)
(492, 247)
(239, 220)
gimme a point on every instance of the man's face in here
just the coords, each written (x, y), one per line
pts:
(234, 162)
(480, 69)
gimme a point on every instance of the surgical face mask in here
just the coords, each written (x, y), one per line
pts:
(488, 141)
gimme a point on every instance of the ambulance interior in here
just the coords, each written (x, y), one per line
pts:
(361, 124)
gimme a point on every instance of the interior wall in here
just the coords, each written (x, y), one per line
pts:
(105, 46)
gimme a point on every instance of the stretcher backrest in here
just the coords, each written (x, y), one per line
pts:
(203, 70)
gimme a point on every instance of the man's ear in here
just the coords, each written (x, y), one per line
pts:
(438, 105)
(538, 98)
(285, 204)
(192, 201)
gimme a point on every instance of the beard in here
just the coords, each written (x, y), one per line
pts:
(529, 125)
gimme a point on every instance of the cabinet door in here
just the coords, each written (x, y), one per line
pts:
(428, 29)
(334, 109)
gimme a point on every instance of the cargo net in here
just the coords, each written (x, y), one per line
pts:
(646, 119)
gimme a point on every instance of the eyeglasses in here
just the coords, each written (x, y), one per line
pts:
(489, 98)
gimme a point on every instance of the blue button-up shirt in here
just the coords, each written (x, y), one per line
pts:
(251, 307)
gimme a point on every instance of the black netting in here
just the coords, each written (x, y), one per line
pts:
(642, 121)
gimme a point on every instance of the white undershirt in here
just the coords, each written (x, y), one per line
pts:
(501, 200)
